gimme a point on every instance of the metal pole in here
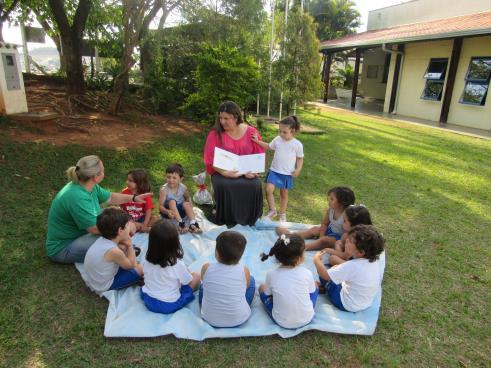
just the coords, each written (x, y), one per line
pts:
(287, 5)
(273, 2)
(27, 65)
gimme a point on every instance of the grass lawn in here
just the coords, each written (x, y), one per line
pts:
(428, 191)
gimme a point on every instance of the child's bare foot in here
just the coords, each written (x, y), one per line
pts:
(282, 230)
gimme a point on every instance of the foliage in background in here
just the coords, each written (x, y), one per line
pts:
(223, 73)
(346, 76)
(297, 69)
(334, 18)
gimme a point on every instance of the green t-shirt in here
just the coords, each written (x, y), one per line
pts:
(72, 211)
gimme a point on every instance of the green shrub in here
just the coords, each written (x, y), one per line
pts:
(222, 74)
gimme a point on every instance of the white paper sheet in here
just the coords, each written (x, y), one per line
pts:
(243, 164)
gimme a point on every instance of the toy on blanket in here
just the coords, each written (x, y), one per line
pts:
(202, 196)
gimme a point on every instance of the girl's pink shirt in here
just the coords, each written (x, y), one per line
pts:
(241, 146)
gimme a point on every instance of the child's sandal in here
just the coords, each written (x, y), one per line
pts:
(194, 228)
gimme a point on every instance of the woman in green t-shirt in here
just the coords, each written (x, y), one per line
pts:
(72, 216)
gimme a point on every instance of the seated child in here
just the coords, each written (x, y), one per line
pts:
(353, 215)
(331, 228)
(110, 263)
(169, 285)
(228, 288)
(175, 201)
(351, 286)
(289, 293)
(138, 182)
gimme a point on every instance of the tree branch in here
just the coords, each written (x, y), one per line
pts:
(59, 15)
(80, 18)
(7, 12)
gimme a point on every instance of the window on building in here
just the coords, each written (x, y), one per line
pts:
(435, 78)
(372, 71)
(477, 81)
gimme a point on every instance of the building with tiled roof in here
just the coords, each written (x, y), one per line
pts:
(427, 59)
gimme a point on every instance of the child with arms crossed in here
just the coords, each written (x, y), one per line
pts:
(228, 288)
(287, 164)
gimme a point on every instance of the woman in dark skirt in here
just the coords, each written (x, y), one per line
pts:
(239, 198)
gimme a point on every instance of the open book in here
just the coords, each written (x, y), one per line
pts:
(243, 164)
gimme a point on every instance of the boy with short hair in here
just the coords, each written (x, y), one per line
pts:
(110, 263)
(227, 288)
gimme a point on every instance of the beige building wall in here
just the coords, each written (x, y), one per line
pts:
(423, 10)
(411, 82)
(373, 87)
(11, 101)
(470, 115)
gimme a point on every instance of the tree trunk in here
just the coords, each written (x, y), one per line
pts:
(1, 32)
(73, 65)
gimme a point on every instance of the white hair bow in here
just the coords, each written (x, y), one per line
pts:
(284, 239)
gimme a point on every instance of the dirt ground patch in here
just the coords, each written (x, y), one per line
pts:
(78, 123)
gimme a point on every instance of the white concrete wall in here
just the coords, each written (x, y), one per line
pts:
(423, 10)
(14, 101)
(411, 82)
(470, 115)
(373, 87)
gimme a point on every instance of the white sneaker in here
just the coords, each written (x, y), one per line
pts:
(282, 217)
(271, 214)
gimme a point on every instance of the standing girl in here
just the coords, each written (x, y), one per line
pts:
(331, 229)
(289, 293)
(353, 285)
(138, 182)
(169, 285)
(287, 164)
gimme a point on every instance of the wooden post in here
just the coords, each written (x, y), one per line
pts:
(327, 74)
(395, 79)
(452, 71)
(355, 78)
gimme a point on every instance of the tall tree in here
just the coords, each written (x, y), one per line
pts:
(298, 65)
(137, 15)
(6, 9)
(334, 18)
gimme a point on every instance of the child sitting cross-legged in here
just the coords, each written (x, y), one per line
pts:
(228, 288)
(289, 293)
(353, 215)
(169, 285)
(351, 286)
(110, 263)
(175, 201)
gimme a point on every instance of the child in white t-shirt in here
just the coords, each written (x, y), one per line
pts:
(287, 164)
(289, 293)
(110, 263)
(351, 286)
(228, 288)
(169, 285)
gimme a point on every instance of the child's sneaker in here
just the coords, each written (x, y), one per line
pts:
(282, 217)
(271, 214)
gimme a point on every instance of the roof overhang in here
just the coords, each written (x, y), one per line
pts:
(464, 26)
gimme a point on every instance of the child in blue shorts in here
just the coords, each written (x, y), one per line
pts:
(331, 229)
(110, 263)
(169, 285)
(228, 287)
(175, 201)
(287, 164)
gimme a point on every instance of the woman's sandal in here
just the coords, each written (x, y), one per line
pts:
(194, 228)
